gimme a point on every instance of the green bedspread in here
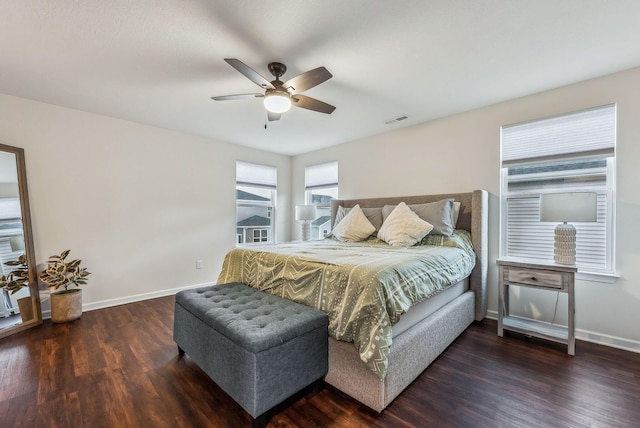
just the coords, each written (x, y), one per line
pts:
(364, 287)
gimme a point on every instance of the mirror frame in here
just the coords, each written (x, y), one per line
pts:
(28, 243)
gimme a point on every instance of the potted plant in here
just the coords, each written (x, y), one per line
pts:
(14, 281)
(66, 305)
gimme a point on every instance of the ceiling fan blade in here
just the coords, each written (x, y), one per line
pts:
(237, 97)
(312, 104)
(273, 116)
(308, 80)
(249, 72)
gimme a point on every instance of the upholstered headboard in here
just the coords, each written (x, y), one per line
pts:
(473, 218)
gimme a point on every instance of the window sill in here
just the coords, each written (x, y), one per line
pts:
(606, 278)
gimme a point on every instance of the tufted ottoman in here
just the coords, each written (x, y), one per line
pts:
(260, 349)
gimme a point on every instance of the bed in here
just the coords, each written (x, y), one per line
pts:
(387, 334)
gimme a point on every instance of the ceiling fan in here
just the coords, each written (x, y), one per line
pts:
(280, 96)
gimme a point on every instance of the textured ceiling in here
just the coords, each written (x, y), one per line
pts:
(158, 62)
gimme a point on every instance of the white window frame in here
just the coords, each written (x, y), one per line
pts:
(605, 274)
(263, 177)
(319, 177)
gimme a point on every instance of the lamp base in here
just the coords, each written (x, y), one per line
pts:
(564, 248)
(306, 230)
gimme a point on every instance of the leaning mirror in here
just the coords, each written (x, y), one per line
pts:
(19, 295)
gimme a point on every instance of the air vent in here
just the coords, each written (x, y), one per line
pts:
(397, 119)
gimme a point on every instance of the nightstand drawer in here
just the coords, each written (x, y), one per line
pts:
(536, 277)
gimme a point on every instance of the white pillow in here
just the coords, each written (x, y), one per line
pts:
(374, 215)
(354, 226)
(403, 227)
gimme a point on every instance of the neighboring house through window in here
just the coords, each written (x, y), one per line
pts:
(255, 202)
(321, 187)
(569, 153)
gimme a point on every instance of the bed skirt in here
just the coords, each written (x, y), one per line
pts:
(411, 353)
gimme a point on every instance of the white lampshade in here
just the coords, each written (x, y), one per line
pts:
(277, 102)
(306, 212)
(568, 207)
(563, 208)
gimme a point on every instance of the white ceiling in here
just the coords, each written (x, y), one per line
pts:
(158, 62)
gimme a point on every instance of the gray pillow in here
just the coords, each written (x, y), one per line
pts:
(374, 215)
(436, 213)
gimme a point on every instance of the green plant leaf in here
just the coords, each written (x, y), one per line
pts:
(60, 273)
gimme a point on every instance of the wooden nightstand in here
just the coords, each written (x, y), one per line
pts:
(541, 274)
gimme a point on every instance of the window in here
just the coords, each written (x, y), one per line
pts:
(569, 153)
(255, 202)
(321, 187)
(260, 235)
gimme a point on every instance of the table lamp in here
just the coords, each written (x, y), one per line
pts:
(306, 213)
(564, 208)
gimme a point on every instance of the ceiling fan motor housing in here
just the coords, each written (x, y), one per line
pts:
(277, 69)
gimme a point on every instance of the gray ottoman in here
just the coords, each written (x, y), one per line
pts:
(260, 349)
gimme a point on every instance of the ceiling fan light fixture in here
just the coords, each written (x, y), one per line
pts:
(277, 102)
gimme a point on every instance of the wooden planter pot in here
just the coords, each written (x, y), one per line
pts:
(26, 308)
(66, 305)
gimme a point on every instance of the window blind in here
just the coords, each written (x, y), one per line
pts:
(251, 174)
(527, 237)
(583, 134)
(10, 209)
(320, 176)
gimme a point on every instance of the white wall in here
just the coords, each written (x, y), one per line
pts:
(462, 152)
(138, 204)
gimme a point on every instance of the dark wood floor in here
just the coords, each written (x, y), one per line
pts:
(119, 367)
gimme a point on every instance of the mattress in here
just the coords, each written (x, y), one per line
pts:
(421, 310)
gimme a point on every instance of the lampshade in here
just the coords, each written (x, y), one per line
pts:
(568, 207)
(564, 208)
(277, 102)
(306, 212)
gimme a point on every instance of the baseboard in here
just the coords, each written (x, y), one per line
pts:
(46, 314)
(598, 338)
(608, 340)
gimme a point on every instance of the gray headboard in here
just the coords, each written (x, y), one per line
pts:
(473, 217)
